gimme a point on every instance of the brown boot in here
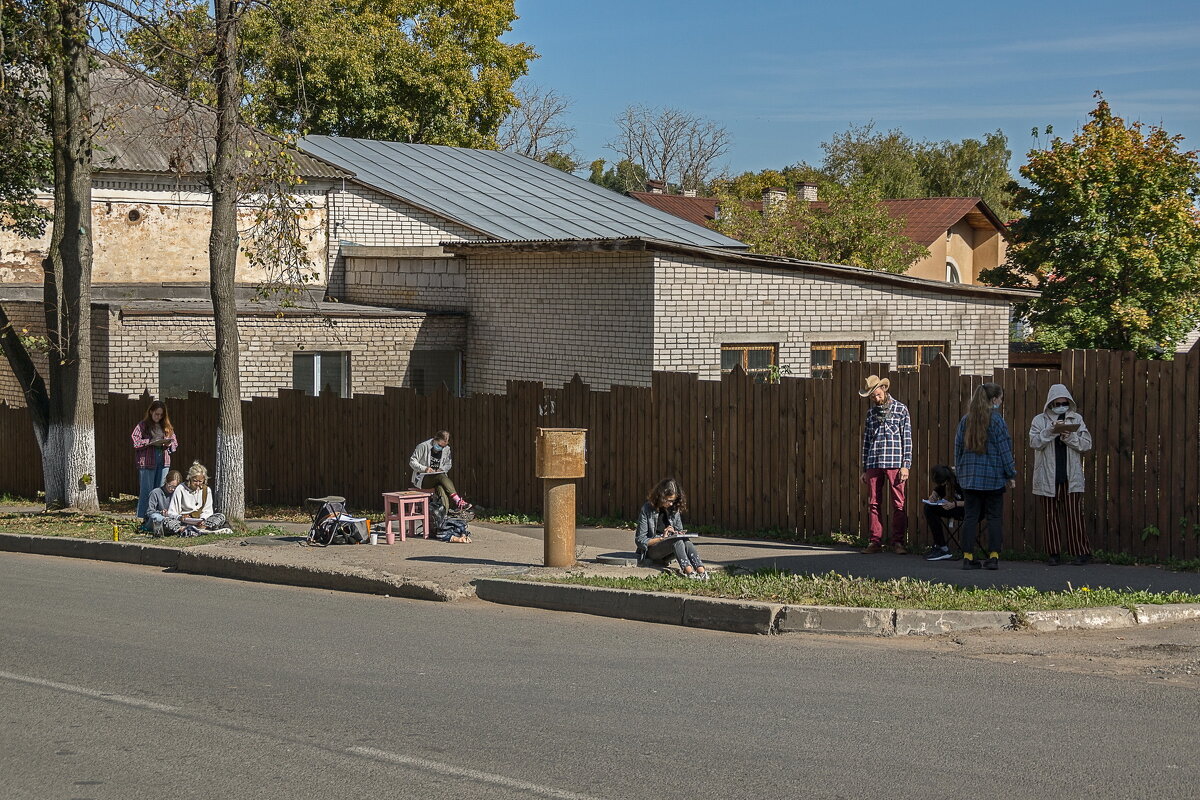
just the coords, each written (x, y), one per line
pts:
(872, 549)
(899, 549)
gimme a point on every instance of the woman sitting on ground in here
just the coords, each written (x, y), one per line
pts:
(159, 502)
(658, 525)
(191, 510)
(950, 506)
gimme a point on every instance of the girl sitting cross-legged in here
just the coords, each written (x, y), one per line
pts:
(658, 528)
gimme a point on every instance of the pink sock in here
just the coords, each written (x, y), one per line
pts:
(458, 501)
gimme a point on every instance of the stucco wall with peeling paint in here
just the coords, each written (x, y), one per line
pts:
(148, 231)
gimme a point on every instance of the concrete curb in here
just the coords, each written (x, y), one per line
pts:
(739, 616)
(221, 565)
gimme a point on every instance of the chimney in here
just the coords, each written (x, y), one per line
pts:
(773, 197)
(807, 192)
(656, 187)
(689, 192)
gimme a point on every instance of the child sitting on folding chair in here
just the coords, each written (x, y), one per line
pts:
(945, 506)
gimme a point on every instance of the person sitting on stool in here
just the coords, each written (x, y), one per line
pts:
(431, 463)
(950, 506)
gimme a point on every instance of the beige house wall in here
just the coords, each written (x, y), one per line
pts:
(548, 316)
(972, 250)
(701, 304)
(153, 230)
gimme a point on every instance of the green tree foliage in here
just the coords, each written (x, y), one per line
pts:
(25, 156)
(750, 185)
(1111, 237)
(897, 166)
(849, 227)
(626, 176)
(429, 71)
(559, 160)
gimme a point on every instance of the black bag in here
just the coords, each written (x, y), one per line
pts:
(328, 527)
(452, 526)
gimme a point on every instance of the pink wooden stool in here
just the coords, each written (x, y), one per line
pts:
(411, 505)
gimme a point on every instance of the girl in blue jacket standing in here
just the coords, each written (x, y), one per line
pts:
(984, 464)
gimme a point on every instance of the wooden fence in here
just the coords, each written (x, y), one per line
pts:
(751, 456)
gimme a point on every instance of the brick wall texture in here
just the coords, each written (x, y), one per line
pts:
(546, 317)
(126, 348)
(701, 304)
(367, 217)
(424, 283)
(615, 317)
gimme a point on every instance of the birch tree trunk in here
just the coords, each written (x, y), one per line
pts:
(222, 253)
(69, 452)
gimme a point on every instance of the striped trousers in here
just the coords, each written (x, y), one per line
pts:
(1062, 512)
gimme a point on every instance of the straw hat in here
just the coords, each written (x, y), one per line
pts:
(875, 382)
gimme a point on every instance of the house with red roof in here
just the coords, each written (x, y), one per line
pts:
(963, 235)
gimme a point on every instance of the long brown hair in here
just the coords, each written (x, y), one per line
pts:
(147, 423)
(979, 417)
(665, 487)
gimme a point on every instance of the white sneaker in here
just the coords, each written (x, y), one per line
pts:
(221, 531)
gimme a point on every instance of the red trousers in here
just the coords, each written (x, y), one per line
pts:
(879, 483)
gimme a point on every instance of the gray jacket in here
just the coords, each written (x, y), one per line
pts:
(1041, 439)
(421, 457)
(158, 502)
(647, 526)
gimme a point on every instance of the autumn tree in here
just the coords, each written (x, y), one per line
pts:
(1110, 236)
(751, 185)
(849, 227)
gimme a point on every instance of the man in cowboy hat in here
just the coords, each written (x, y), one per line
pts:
(886, 459)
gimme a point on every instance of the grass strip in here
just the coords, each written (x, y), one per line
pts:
(834, 589)
(99, 527)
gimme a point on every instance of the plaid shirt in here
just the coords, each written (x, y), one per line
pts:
(887, 437)
(988, 471)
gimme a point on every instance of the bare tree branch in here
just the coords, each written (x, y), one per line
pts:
(537, 126)
(673, 146)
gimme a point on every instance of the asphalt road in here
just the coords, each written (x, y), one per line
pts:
(125, 682)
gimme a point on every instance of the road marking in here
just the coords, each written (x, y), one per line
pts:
(66, 687)
(469, 774)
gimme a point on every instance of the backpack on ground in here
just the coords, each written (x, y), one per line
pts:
(452, 526)
(332, 525)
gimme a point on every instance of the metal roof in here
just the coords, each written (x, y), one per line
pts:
(504, 195)
(145, 127)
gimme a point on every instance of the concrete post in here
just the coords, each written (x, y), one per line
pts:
(561, 458)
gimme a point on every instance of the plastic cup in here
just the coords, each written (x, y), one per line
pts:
(374, 538)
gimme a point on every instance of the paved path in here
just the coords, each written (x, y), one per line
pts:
(126, 682)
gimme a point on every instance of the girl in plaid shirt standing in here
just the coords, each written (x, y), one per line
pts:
(984, 464)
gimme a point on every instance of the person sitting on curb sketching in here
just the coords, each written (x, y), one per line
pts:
(945, 506)
(190, 512)
(659, 527)
(430, 463)
(159, 502)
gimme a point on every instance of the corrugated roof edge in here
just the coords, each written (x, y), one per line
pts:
(837, 270)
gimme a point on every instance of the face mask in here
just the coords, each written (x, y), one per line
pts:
(437, 448)
(1060, 409)
(996, 403)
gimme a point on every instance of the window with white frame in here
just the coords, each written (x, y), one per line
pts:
(315, 372)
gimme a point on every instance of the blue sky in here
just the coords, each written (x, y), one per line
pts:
(783, 76)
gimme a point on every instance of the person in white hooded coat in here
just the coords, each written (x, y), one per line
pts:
(1059, 438)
